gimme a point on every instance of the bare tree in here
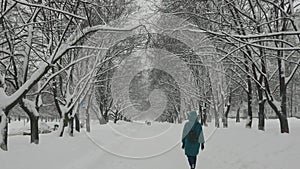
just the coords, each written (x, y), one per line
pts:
(256, 30)
(47, 30)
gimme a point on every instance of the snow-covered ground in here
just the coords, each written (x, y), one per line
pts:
(157, 146)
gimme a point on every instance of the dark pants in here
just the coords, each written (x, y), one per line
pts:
(192, 161)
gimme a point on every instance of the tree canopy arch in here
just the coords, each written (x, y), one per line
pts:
(127, 46)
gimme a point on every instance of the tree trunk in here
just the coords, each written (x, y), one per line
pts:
(283, 118)
(205, 115)
(88, 125)
(283, 89)
(284, 126)
(100, 117)
(179, 116)
(71, 126)
(87, 112)
(217, 122)
(77, 122)
(216, 114)
(249, 103)
(62, 125)
(105, 115)
(292, 96)
(34, 129)
(34, 125)
(261, 110)
(225, 118)
(116, 118)
(281, 72)
(3, 132)
(225, 124)
(200, 113)
(237, 118)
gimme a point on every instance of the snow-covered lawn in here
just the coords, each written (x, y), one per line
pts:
(139, 146)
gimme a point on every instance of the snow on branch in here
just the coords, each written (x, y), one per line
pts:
(23, 2)
(79, 34)
(71, 101)
(255, 43)
(28, 84)
(262, 38)
(62, 70)
(82, 87)
(5, 12)
(268, 35)
(61, 50)
(30, 105)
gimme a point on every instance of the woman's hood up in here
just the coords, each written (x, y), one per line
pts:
(192, 116)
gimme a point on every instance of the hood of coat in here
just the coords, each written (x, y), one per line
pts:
(192, 116)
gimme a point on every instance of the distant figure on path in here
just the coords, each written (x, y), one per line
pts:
(192, 137)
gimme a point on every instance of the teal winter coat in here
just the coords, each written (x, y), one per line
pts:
(192, 148)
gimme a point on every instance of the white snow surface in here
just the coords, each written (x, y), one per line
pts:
(21, 127)
(123, 144)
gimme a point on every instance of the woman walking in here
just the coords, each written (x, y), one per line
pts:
(192, 138)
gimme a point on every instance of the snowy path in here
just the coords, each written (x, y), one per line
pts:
(232, 148)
